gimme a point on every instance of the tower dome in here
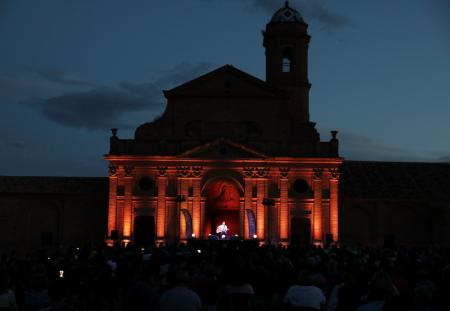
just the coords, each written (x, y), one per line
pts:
(287, 15)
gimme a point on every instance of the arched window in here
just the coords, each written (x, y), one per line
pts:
(286, 65)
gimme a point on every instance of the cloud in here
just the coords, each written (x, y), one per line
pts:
(315, 10)
(10, 142)
(444, 159)
(97, 109)
(179, 74)
(109, 107)
(30, 84)
(329, 19)
(61, 77)
(355, 146)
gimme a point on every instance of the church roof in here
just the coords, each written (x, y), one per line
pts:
(395, 180)
(286, 15)
(221, 74)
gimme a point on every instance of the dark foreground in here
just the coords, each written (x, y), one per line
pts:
(230, 275)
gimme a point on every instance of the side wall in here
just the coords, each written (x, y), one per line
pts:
(31, 219)
(407, 222)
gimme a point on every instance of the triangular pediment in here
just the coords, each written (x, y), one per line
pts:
(222, 149)
(225, 81)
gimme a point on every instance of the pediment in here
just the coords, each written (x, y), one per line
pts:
(224, 81)
(222, 149)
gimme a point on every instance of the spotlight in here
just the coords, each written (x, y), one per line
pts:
(199, 251)
(255, 236)
(61, 273)
(193, 235)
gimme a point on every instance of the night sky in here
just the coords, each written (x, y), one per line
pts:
(71, 70)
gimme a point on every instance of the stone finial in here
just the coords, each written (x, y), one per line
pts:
(334, 134)
(114, 132)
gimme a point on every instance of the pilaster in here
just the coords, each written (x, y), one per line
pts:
(112, 200)
(317, 208)
(248, 198)
(182, 194)
(196, 172)
(128, 201)
(261, 194)
(284, 208)
(334, 209)
(161, 207)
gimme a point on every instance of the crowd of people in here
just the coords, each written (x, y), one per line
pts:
(227, 275)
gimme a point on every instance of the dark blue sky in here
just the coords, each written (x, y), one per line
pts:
(70, 70)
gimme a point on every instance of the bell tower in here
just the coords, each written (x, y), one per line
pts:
(286, 42)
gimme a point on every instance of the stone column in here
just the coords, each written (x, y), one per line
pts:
(248, 198)
(196, 201)
(182, 194)
(261, 210)
(334, 209)
(161, 205)
(112, 201)
(128, 202)
(284, 208)
(317, 208)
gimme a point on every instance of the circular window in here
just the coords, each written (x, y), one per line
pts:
(300, 186)
(145, 183)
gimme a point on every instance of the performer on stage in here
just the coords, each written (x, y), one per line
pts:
(222, 230)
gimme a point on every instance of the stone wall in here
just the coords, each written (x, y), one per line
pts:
(407, 201)
(50, 211)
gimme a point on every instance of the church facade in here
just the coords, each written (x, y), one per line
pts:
(231, 147)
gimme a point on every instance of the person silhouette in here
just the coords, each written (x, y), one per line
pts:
(222, 230)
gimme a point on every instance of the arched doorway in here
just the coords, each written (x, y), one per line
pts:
(222, 205)
(300, 231)
(144, 230)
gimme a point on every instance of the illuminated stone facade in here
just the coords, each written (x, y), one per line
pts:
(231, 147)
(408, 203)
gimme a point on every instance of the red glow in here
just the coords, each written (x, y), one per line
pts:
(222, 204)
(211, 199)
(222, 194)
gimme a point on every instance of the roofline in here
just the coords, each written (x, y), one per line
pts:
(284, 160)
(230, 68)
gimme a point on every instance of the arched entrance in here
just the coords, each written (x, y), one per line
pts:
(300, 231)
(222, 205)
(144, 230)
